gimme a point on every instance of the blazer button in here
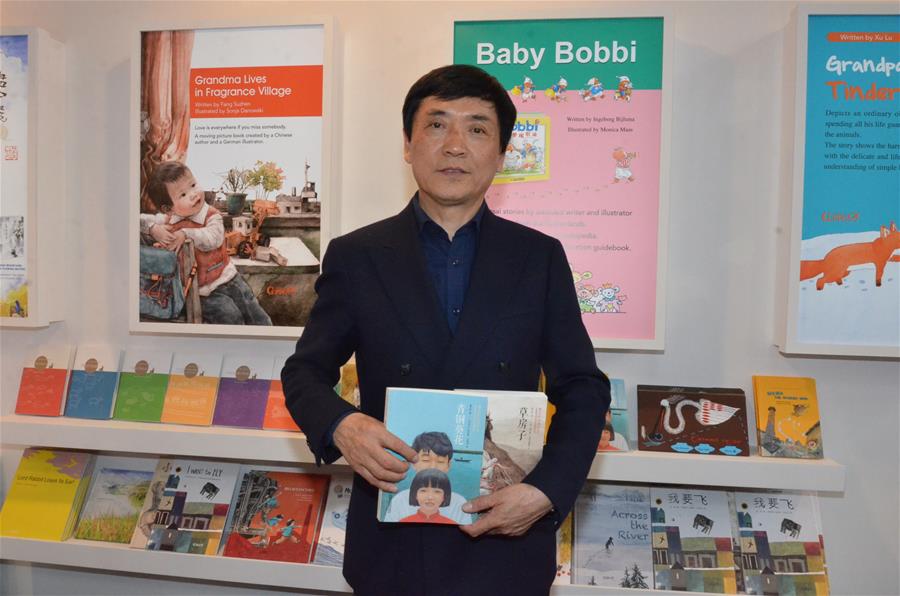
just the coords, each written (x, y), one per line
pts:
(503, 365)
(405, 369)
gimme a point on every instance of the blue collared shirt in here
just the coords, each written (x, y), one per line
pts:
(449, 262)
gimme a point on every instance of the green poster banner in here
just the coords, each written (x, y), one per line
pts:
(578, 49)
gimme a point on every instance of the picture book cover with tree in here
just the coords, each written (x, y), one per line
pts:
(276, 515)
(42, 388)
(787, 417)
(118, 489)
(186, 506)
(612, 536)
(447, 429)
(705, 420)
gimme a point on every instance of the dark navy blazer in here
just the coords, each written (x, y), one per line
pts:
(520, 314)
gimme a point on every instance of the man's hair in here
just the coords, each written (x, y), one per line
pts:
(456, 82)
(167, 171)
(430, 478)
(435, 442)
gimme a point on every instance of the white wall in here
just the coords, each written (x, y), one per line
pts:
(729, 164)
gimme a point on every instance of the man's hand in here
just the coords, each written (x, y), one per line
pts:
(363, 442)
(510, 511)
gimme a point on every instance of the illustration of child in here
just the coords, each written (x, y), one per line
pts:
(225, 297)
(609, 435)
(430, 490)
(623, 164)
(272, 531)
(287, 532)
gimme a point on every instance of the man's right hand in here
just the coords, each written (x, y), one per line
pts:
(364, 441)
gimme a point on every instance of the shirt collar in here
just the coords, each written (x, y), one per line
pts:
(198, 217)
(422, 217)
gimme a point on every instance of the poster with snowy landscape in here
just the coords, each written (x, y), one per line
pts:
(844, 289)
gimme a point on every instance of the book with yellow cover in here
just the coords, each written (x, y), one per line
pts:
(46, 494)
(787, 417)
(191, 394)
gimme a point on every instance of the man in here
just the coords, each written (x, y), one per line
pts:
(448, 295)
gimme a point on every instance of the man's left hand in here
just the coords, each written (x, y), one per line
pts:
(510, 511)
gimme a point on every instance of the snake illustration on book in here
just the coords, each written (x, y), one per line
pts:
(709, 413)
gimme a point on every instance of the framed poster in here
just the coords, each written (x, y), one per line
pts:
(233, 202)
(844, 284)
(587, 159)
(32, 192)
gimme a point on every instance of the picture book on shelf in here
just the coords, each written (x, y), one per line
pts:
(45, 495)
(564, 553)
(193, 384)
(615, 431)
(612, 537)
(332, 536)
(117, 492)
(243, 391)
(276, 515)
(692, 420)
(186, 506)
(787, 417)
(447, 429)
(692, 540)
(42, 388)
(93, 382)
(142, 385)
(780, 543)
(277, 416)
(513, 436)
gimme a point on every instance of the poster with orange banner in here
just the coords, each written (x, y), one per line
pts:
(233, 201)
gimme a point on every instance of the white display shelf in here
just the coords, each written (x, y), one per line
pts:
(281, 446)
(87, 554)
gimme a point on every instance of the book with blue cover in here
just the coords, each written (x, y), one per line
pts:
(333, 536)
(93, 382)
(447, 429)
(612, 537)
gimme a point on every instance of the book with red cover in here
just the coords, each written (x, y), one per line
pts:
(277, 415)
(42, 389)
(276, 515)
(692, 420)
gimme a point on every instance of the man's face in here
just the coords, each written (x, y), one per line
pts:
(429, 499)
(429, 459)
(454, 150)
(186, 195)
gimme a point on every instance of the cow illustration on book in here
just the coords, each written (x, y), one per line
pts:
(703, 523)
(789, 526)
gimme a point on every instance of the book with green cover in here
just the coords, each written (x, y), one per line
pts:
(142, 385)
(118, 490)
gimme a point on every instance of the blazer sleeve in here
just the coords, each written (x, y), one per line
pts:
(575, 386)
(328, 341)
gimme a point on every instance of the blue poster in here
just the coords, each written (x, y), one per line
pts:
(849, 265)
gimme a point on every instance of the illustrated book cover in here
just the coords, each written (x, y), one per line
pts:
(117, 492)
(527, 156)
(243, 391)
(142, 385)
(513, 436)
(93, 381)
(564, 553)
(191, 395)
(276, 515)
(615, 431)
(447, 429)
(277, 416)
(787, 417)
(186, 506)
(780, 543)
(692, 540)
(46, 494)
(709, 421)
(333, 535)
(612, 537)
(42, 388)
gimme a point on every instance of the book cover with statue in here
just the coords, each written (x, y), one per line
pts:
(447, 429)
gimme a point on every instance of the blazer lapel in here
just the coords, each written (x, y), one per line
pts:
(400, 264)
(498, 265)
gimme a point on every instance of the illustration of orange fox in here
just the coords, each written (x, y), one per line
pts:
(836, 264)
